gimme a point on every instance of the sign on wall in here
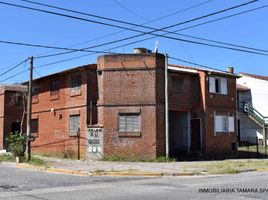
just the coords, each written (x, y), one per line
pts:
(95, 143)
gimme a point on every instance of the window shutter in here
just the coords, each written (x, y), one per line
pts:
(223, 86)
(218, 123)
(212, 84)
(231, 124)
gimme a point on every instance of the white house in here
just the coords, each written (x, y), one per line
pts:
(252, 98)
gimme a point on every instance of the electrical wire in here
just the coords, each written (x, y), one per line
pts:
(144, 33)
(14, 75)
(114, 33)
(12, 68)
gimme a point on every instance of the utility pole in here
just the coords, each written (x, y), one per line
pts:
(166, 106)
(29, 112)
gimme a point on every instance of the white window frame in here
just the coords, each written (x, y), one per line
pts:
(222, 84)
(223, 124)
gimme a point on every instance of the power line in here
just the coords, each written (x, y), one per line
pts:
(142, 33)
(49, 47)
(234, 45)
(211, 21)
(14, 75)
(17, 65)
(114, 33)
(196, 64)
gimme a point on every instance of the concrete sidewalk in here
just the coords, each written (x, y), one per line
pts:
(117, 168)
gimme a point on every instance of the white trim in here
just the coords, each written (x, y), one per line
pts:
(182, 69)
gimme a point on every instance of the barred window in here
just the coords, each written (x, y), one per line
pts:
(76, 83)
(74, 124)
(129, 122)
(177, 86)
(54, 87)
(34, 123)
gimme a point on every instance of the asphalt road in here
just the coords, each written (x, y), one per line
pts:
(27, 184)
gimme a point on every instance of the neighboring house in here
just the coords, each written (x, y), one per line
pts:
(253, 110)
(61, 111)
(11, 111)
(131, 107)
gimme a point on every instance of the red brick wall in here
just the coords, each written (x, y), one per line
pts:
(53, 112)
(218, 103)
(132, 82)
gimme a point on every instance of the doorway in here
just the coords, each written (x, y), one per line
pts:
(196, 135)
(178, 133)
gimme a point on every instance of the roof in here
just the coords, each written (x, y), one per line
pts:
(197, 69)
(242, 87)
(13, 87)
(68, 71)
(255, 76)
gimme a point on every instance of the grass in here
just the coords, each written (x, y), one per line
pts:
(6, 158)
(38, 162)
(253, 149)
(226, 166)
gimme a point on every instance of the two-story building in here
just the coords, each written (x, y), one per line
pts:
(125, 94)
(131, 107)
(252, 91)
(63, 104)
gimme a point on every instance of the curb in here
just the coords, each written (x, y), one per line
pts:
(84, 173)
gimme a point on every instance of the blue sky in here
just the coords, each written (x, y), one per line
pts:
(26, 26)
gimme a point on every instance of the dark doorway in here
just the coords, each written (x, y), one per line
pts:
(178, 133)
(195, 134)
(238, 130)
(15, 127)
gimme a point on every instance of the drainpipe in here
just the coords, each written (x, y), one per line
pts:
(166, 105)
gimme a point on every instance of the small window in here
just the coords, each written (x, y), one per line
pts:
(34, 125)
(224, 124)
(129, 122)
(76, 83)
(35, 92)
(74, 125)
(54, 87)
(177, 86)
(218, 85)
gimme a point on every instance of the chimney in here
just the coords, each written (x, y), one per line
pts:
(230, 70)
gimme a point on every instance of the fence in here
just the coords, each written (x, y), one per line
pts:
(252, 148)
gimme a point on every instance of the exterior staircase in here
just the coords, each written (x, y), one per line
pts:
(255, 115)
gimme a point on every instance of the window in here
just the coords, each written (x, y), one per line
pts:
(224, 123)
(218, 85)
(34, 92)
(74, 125)
(34, 125)
(129, 122)
(76, 83)
(54, 87)
(177, 86)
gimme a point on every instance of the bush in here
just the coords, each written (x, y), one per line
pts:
(17, 144)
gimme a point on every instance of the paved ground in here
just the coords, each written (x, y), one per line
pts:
(16, 183)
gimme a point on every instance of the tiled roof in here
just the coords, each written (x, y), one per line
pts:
(255, 76)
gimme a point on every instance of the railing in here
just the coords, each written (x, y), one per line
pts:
(255, 115)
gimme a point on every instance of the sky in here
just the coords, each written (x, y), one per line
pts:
(27, 26)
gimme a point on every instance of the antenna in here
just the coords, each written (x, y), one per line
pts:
(156, 47)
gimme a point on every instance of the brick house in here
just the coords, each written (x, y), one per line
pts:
(127, 92)
(61, 111)
(11, 110)
(131, 107)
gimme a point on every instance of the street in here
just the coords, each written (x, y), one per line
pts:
(16, 183)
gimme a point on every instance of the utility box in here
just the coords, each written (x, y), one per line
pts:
(94, 142)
